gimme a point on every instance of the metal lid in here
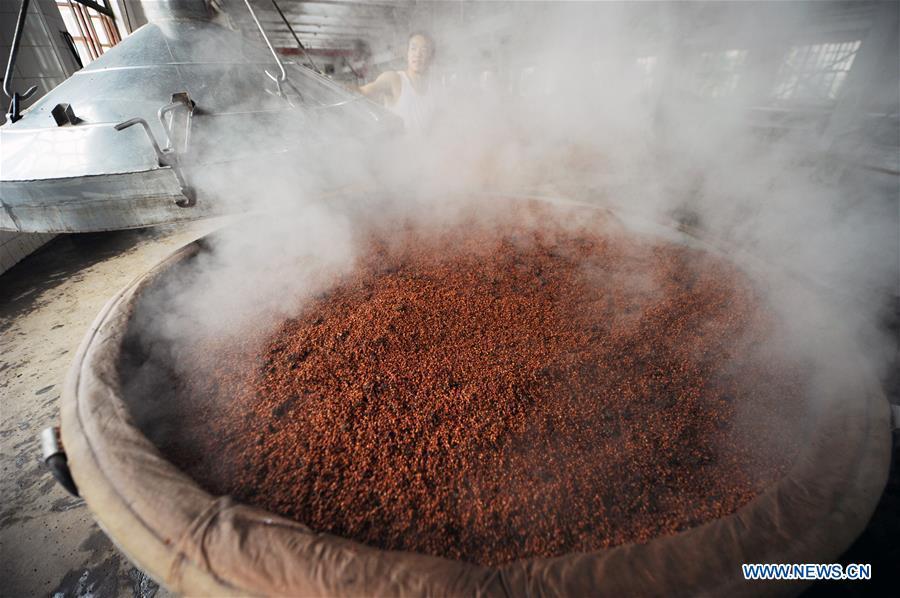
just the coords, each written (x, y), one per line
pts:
(115, 145)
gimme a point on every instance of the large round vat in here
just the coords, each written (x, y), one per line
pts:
(196, 543)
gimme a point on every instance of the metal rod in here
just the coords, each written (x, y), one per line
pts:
(262, 32)
(12, 114)
(179, 100)
(296, 39)
(71, 43)
(161, 157)
(14, 50)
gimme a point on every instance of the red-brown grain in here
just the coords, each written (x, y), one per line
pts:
(499, 392)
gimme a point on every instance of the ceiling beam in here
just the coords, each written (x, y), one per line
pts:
(300, 28)
(288, 39)
(341, 10)
(321, 8)
(355, 3)
(333, 25)
(331, 20)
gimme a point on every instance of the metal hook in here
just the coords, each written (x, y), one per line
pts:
(281, 78)
(15, 98)
(14, 51)
(297, 39)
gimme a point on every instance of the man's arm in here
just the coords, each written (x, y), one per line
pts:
(385, 86)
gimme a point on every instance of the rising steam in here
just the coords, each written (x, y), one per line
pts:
(610, 103)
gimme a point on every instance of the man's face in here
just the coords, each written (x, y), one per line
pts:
(418, 54)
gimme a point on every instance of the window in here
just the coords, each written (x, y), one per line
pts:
(815, 72)
(718, 73)
(92, 33)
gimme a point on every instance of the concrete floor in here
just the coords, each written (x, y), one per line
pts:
(49, 544)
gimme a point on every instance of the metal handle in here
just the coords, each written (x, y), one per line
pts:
(183, 101)
(168, 156)
(55, 459)
(160, 155)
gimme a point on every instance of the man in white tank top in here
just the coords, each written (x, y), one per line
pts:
(407, 93)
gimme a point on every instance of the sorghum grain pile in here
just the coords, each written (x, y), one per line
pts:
(501, 392)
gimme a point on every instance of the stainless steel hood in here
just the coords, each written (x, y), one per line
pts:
(119, 143)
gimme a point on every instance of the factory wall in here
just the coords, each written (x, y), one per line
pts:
(15, 246)
(44, 60)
